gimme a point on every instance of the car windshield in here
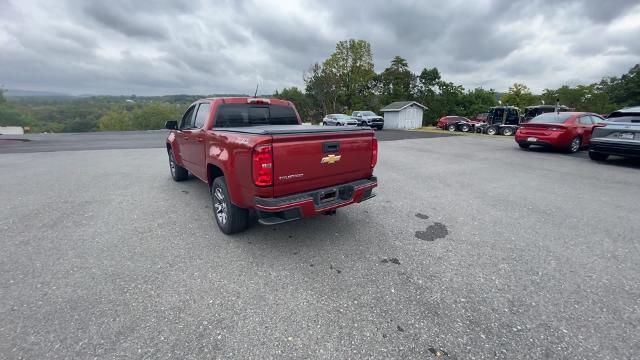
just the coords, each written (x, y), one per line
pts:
(367, 113)
(550, 118)
(236, 115)
(343, 116)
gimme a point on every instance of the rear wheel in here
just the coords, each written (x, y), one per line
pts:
(574, 145)
(491, 130)
(465, 128)
(598, 156)
(178, 173)
(451, 127)
(507, 131)
(524, 146)
(324, 123)
(230, 218)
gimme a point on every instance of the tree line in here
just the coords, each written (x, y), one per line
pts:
(344, 82)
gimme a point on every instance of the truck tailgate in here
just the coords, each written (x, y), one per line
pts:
(303, 162)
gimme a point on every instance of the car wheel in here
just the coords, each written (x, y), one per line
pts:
(507, 131)
(451, 127)
(230, 218)
(338, 124)
(524, 146)
(491, 130)
(380, 127)
(178, 173)
(598, 156)
(574, 145)
(324, 123)
(465, 128)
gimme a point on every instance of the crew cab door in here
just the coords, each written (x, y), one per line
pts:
(195, 143)
(183, 134)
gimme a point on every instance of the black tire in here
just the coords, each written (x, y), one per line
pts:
(324, 123)
(380, 127)
(465, 127)
(507, 131)
(230, 218)
(598, 156)
(452, 127)
(491, 130)
(574, 145)
(178, 173)
(338, 124)
(524, 146)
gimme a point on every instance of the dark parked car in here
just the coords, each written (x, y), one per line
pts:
(620, 136)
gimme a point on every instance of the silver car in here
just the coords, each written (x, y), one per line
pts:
(339, 120)
(619, 136)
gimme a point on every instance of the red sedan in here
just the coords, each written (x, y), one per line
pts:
(569, 131)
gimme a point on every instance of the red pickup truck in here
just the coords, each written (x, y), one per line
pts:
(257, 158)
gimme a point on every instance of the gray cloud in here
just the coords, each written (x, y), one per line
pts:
(166, 46)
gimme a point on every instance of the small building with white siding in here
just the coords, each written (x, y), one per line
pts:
(11, 130)
(403, 115)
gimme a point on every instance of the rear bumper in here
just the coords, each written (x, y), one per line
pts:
(629, 150)
(554, 141)
(273, 211)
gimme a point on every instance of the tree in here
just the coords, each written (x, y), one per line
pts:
(477, 101)
(299, 99)
(351, 66)
(623, 91)
(153, 116)
(519, 96)
(398, 82)
(117, 119)
(2, 99)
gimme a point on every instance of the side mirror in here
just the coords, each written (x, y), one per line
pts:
(171, 125)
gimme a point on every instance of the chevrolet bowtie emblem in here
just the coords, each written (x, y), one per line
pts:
(330, 159)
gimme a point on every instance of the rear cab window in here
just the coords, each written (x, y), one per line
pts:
(241, 115)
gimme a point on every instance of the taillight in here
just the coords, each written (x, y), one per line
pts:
(263, 165)
(556, 129)
(374, 153)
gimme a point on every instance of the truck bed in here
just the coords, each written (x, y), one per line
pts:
(289, 129)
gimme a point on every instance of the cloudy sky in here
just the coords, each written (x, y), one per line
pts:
(202, 47)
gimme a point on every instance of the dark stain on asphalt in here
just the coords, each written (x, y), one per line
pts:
(311, 265)
(433, 232)
(422, 216)
(438, 353)
(337, 270)
(390, 260)
(185, 191)
(399, 328)
(295, 253)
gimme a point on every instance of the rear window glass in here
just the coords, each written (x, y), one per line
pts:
(551, 118)
(624, 117)
(238, 115)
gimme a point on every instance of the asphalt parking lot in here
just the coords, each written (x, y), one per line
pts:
(472, 247)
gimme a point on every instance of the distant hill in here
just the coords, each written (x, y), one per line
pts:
(33, 93)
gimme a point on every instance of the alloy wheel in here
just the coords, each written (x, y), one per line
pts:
(220, 206)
